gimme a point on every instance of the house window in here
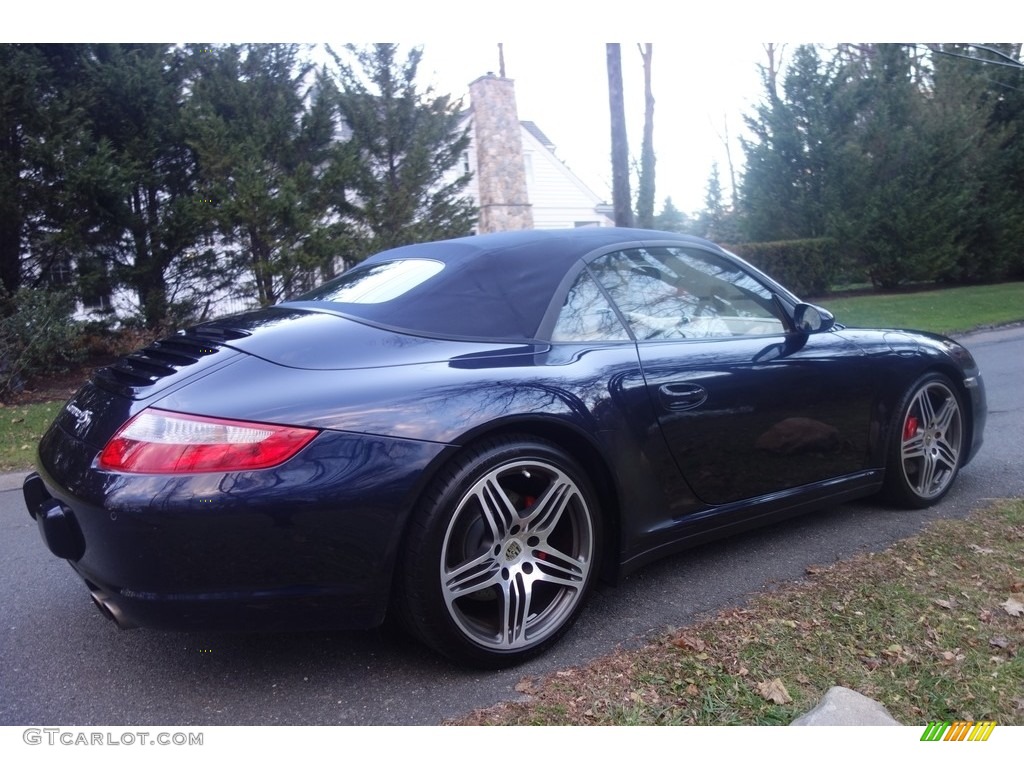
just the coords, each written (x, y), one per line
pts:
(94, 285)
(59, 274)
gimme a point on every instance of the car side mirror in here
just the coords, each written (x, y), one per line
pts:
(810, 318)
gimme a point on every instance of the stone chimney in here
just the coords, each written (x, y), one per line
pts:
(501, 171)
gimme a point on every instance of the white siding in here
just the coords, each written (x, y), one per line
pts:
(559, 198)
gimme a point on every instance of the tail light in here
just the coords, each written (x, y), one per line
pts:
(163, 442)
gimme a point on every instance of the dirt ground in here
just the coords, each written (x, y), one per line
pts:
(55, 386)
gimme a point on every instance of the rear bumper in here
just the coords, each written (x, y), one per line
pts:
(309, 544)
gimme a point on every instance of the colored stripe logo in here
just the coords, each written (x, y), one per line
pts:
(960, 730)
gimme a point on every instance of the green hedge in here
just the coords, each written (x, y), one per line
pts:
(806, 267)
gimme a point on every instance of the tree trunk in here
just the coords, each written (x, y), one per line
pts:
(10, 210)
(622, 200)
(645, 194)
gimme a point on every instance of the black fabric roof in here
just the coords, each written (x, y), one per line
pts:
(495, 286)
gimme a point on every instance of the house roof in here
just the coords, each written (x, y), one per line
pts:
(538, 134)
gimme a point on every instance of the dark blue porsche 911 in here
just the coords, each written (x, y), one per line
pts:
(469, 433)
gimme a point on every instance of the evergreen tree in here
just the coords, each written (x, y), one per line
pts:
(41, 142)
(904, 185)
(671, 219)
(269, 163)
(140, 183)
(717, 221)
(981, 101)
(20, 72)
(785, 193)
(898, 157)
(406, 145)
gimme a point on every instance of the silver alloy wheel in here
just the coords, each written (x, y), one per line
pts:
(931, 440)
(517, 555)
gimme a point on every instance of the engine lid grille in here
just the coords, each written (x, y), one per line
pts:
(165, 362)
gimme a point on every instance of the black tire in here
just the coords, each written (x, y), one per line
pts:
(926, 443)
(502, 552)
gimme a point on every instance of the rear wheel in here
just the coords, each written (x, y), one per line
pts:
(926, 443)
(502, 554)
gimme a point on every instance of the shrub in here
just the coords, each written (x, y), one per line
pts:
(806, 267)
(37, 335)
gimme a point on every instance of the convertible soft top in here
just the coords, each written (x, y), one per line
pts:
(495, 286)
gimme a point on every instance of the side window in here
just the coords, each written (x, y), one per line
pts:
(678, 293)
(587, 316)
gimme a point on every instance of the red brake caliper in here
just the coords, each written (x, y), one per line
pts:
(910, 428)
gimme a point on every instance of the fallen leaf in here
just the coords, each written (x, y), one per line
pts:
(949, 605)
(1017, 586)
(692, 690)
(985, 616)
(688, 643)
(998, 641)
(1013, 607)
(524, 686)
(774, 692)
(871, 664)
(814, 570)
(981, 550)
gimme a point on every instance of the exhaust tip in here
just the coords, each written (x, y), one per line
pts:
(110, 610)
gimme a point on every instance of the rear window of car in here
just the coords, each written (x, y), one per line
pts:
(376, 283)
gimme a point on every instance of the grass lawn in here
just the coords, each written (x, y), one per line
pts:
(21, 427)
(932, 627)
(951, 310)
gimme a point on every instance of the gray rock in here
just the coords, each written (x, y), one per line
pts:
(841, 706)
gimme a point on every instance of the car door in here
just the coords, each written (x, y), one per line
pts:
(747, 405)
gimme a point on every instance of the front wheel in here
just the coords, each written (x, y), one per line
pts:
(502, 554)
(926, 443)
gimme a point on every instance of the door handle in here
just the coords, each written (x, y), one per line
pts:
(680, 396)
